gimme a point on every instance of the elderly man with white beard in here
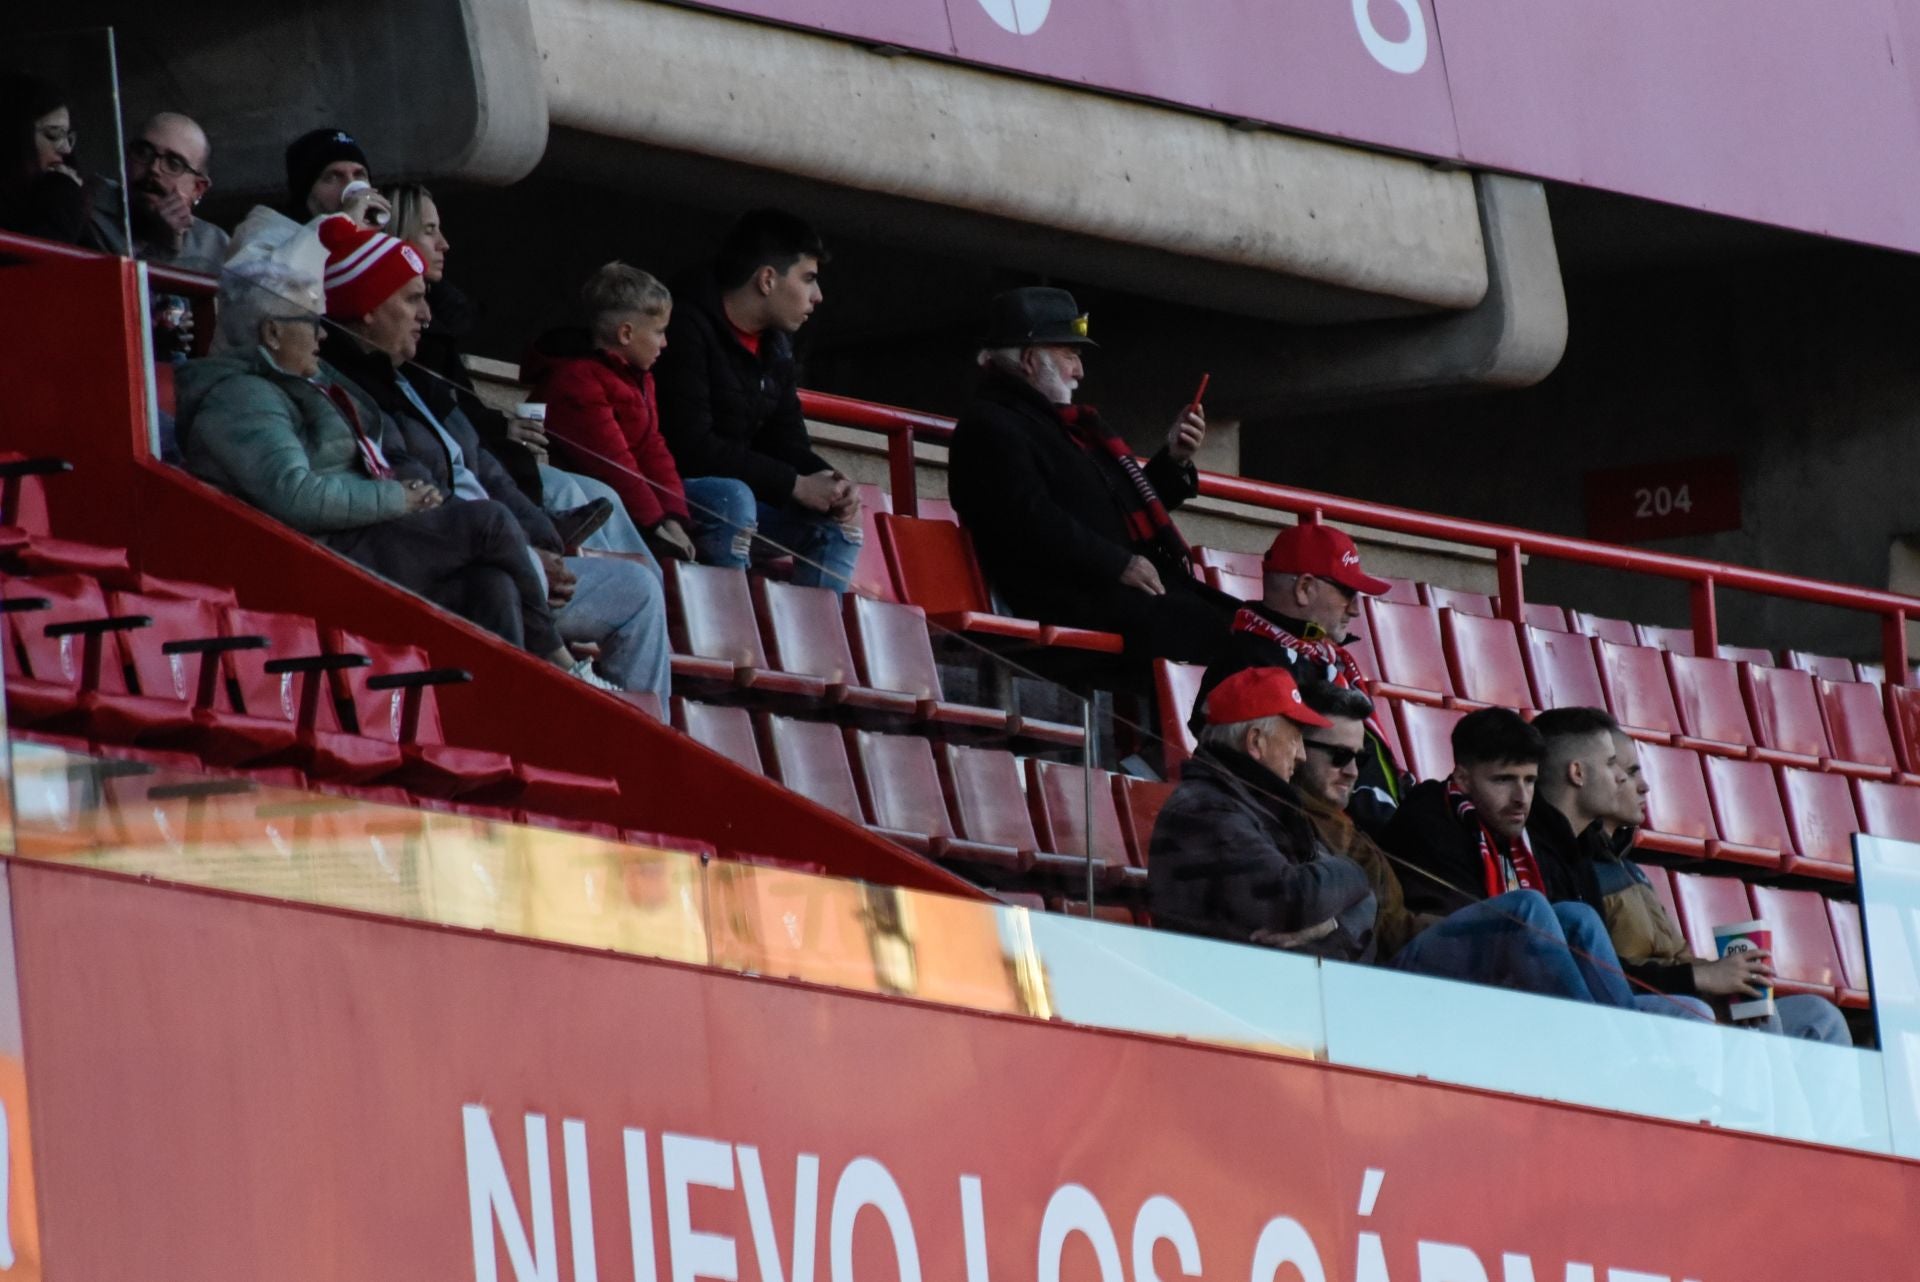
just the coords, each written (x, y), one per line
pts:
(1070, 527)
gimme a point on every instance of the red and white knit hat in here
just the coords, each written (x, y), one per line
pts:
(364, 267)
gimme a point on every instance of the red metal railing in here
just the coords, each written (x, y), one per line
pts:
(1510, 546)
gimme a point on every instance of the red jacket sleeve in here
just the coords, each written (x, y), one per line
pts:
(586, 431)
(656, 460)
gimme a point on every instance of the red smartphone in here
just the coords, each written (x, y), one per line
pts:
(1200, 392)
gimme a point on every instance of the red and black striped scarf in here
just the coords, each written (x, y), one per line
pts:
(1514, 868)
(1147, 519)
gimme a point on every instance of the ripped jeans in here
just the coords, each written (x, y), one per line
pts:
(722, 515)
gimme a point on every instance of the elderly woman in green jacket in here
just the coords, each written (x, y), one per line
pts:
(264, 421)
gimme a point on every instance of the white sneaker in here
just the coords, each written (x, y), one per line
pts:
(583, 669)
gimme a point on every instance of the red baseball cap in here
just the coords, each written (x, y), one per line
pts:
(1323, 552)
(1253, 693)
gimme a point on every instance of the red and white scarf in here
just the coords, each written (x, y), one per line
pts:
(1512, 868)
(371, 459)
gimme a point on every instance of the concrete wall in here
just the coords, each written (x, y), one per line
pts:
(1802, 364)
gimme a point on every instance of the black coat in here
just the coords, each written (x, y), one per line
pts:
(1046, 515)
(1587, 868)
(726, 411)
(1381, 783)
(441, 347)
(1234, 852)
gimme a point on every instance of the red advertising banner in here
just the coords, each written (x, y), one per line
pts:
(1663, 500)
(1800, 115)
(235, 1090)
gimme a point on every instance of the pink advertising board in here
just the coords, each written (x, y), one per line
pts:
(1800, 115)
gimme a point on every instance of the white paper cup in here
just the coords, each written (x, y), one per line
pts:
(534, 411)
(1746, 937)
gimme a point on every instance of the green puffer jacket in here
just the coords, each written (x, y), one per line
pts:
(275, 440)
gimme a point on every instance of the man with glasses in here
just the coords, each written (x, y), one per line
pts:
(1311, 589)
(167, 177)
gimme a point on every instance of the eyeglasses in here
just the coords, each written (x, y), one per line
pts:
(170, 163)
(1337, 757)
(60, 135)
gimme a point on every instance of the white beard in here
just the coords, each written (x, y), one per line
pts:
(1050, 382)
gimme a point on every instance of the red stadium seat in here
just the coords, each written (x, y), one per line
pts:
(1638, 692)
(1857, 724)
(1903, 709)
(870, 577)
(1706, 902)
(1064, 814)
(804, 635)
(1618, 631)
(1824, 666)
(728, 731)
(1888, 809)
(1551, 618)
(933, 566)
(1786, 714)
(1361, 649)
(289, 681)
(1820, 814)
(893, 652)
(1679, 811)
(1386, 721)
(1401, 591)
(988, 795)
(1746, 654)
(1484, 655)
(904, 801)
(1244, 564)
(1139, 802)
(1427, 733)
(1241, 587)
(1747, 813)
(1850, 942)
(1871, 673)
(1478, 604)
(1712, 708)
(1175, 686)
(1564, 671)
(1413, 662)
(29, 544)
(1804, 957)
(716, 641)
(1671, 640)
(810, 758)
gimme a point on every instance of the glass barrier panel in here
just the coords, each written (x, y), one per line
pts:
(1890, 901)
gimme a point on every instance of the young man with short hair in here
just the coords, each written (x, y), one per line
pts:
(603, 420)
(1590, 801)
(730, 400)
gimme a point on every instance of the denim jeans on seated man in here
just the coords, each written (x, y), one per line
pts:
(1802, 1015)
(1519, 940)
(824, 552)
(722, 515)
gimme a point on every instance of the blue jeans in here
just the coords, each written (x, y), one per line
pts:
(620, 606)
(1519, 940)
(824, 553)
(723, 513)
(1801, 1015)
(563, 491)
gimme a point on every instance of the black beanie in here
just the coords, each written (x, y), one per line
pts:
(312, 152)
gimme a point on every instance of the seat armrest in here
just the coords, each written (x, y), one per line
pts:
(318, 663)
(47, 466)
(417, 680)
(22, 604)
(99, 627)
(214, 645)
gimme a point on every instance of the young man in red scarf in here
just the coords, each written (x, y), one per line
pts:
(1070, 527)
(1462, 843)
(1311, 590)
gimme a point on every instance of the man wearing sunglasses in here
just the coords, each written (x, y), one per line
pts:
(1311, 589)
(167, 178)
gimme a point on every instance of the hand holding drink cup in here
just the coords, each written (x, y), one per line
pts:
(528, 427)
(1749, 940)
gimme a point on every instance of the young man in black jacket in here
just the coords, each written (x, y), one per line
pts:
(1590, 801)
(1069, 526)
(1311, 589)
(730, 401)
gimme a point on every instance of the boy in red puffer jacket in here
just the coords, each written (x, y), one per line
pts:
(603, 420)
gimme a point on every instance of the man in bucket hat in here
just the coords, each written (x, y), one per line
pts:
(1069, 526)
(1311, 587)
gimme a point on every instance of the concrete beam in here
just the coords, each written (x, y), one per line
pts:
(1271, 209)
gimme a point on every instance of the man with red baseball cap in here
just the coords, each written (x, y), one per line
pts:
(1310, 597)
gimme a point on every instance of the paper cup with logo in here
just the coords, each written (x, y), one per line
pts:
(532, 411)
(1746, 937)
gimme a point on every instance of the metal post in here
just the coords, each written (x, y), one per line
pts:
(1893, 648)
(1706, 620)
(1086, 779)
(1513, 593)
(901, 472)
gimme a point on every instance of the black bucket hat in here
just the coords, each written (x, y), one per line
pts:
(1037, 316)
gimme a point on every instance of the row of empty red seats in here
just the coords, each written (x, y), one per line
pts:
(981, 808)
(802, 649)
(1818, 946)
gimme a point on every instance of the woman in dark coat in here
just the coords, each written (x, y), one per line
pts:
(41, 193)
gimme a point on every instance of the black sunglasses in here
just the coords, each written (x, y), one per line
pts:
(1337, 757)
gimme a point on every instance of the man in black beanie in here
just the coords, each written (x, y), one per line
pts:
(320, 166)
